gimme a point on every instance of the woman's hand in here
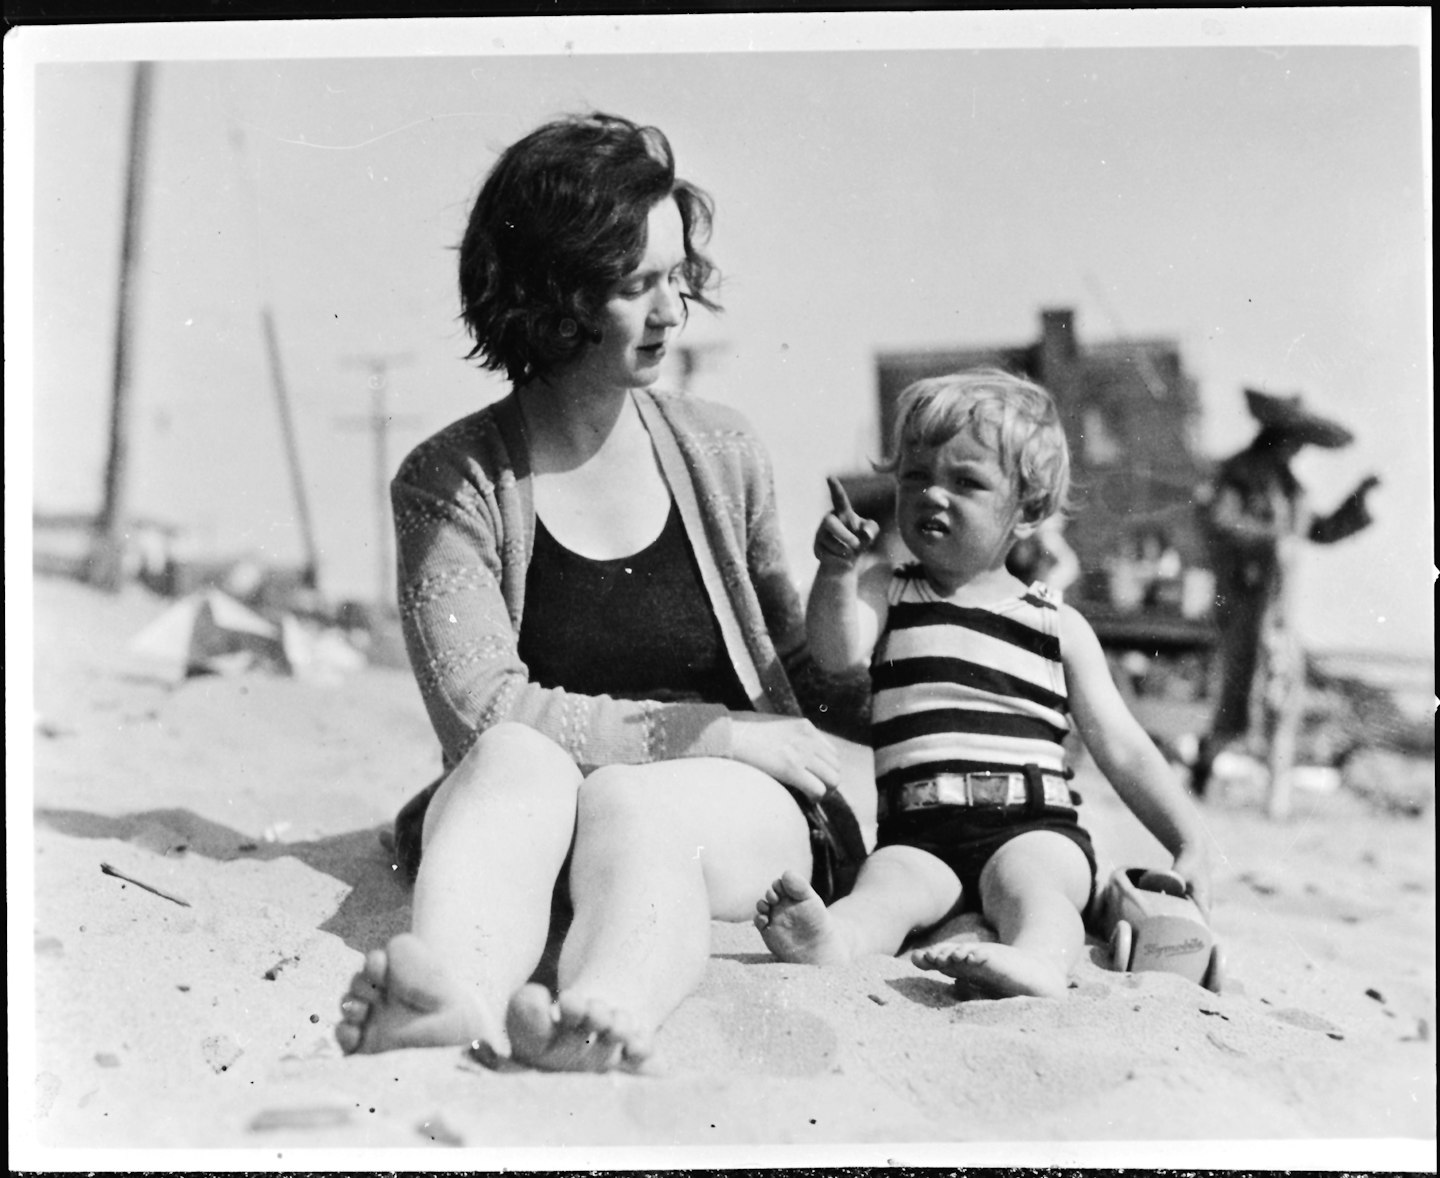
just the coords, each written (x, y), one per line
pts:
(791, 750)
(844, 535)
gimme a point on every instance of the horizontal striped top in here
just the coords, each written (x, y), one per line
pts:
(965, 689)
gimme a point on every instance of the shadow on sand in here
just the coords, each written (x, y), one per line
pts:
(376, 908)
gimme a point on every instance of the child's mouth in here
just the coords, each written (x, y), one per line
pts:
(932, 527)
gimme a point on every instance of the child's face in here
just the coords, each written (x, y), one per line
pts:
(957, 507)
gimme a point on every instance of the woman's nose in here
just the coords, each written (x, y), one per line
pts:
(669, 309)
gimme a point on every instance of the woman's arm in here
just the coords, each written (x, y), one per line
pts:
(1128, 757)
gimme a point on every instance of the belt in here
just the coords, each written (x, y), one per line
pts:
(973, 789)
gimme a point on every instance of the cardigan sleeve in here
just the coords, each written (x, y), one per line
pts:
(453, 550)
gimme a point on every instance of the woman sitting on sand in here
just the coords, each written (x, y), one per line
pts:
(608, 642)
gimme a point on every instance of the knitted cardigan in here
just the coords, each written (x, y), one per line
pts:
(465, 527)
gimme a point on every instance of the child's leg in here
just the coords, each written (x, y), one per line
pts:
(1033, 891)
(899, 889)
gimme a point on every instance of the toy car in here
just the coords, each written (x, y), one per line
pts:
(1151, 924)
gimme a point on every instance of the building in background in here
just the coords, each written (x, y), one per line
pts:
(1131, 413)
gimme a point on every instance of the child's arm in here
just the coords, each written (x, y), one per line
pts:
(847, 608)
(1128, 757)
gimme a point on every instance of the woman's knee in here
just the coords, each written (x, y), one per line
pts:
(509, 759)
(516, 751)
(618, 796)
(735, 824)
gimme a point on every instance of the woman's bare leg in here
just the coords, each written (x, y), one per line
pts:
(496, 835)
(899, 890)
(660, 851)
(1033, 892)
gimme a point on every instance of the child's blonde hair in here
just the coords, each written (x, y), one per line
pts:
(1015, 417)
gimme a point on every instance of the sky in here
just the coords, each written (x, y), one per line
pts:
(1253, 184)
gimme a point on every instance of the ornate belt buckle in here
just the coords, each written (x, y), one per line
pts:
(989, 789)
(921, 794)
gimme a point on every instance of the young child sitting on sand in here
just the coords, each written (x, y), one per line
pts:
(975, 675)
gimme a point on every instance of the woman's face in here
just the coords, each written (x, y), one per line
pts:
(645, 309)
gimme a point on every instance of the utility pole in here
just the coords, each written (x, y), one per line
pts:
(292, 451)
(379, 421)
(105, 567)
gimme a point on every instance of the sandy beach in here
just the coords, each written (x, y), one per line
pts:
(202, 1018)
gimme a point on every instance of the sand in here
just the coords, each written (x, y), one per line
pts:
(256, 799)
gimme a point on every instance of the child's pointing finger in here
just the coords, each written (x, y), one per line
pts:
(841, 503)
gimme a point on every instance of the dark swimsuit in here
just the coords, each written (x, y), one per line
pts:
(640, 627)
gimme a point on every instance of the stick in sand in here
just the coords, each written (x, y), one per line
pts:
(108, 870)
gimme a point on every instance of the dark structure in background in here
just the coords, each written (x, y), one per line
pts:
(1130, 412)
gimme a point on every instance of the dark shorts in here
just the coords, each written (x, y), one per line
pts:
(837, 847)
(965, 838)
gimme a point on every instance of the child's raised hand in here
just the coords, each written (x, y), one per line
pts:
(844, 535)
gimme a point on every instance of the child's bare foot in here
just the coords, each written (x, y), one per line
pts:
(992, 970)
(402, 998)
(796, 926)
(572, 1035)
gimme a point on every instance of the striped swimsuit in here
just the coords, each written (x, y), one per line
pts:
(966, 689)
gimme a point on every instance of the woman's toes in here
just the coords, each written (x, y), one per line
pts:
(353, 1010)
(377, 966)
(348, 1036)
(575, 1014)
(364, 990)
(530, 1021)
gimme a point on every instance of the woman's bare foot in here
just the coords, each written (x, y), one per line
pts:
(796, 926)
(572, 1035)
(992, 970)
(403, 998)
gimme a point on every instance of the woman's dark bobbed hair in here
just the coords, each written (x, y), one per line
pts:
(560, 220)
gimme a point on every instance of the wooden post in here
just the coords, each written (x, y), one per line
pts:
(106, 564)
(292, 452)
